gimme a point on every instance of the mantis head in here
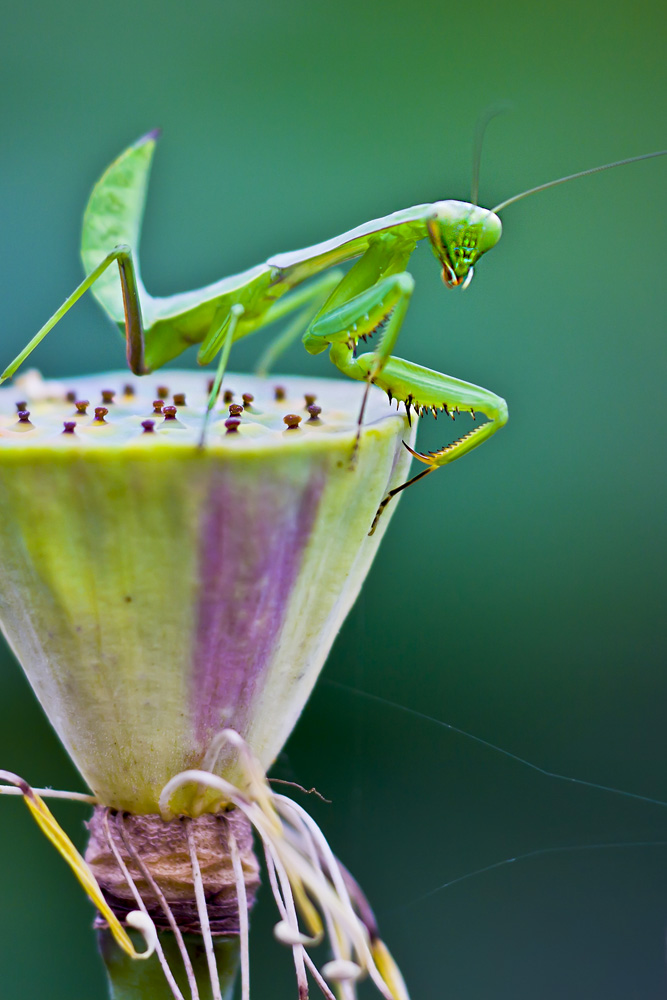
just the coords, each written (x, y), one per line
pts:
(460, 233)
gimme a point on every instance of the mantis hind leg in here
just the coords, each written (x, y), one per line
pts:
(134, 331)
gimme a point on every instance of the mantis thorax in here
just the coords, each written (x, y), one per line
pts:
(460, 233)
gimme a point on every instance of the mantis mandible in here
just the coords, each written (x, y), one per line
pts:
(334, 311)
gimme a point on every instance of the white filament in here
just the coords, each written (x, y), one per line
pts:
(203, 914)
(140, 919)
(166, 909)
(51, 793)
(302, 871)
(243, 913)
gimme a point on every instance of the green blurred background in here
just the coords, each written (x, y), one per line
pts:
(520, 593)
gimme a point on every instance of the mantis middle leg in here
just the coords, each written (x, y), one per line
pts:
(374, 294)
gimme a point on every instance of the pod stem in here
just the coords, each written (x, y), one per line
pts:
(132, 980)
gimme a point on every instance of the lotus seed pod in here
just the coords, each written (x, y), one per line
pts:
(157, 591)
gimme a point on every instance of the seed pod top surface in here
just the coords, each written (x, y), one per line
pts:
(156, 591)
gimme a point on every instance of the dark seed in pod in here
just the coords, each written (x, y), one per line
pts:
(128, 390)
(69, 426)
(108, 395)
(162, 392)
(247, 398)
(292, 420)
(148, 426)
(235, 409)
(100, 414)
(169, 412)
(81, 406)
(70, 396)
(21, 406)
(157, 406)
(179, 399)
(228, 396)
(279, 393)
(232, 425)
(310, 399)
(314, 414)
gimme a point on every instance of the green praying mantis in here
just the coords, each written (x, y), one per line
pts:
(334, 311)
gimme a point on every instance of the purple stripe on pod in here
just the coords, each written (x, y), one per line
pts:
(253, 535)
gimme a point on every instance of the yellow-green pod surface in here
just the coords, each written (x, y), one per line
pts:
(156, 592)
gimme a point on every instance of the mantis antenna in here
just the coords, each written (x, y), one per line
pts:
(480, 130)
(572, 177)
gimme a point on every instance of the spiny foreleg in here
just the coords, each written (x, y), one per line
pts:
(422, 390)
(381, 307)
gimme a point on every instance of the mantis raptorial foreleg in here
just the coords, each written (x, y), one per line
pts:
(390, 298)
(375, 293)
(429, 390)
(134, 331)
(381, 295)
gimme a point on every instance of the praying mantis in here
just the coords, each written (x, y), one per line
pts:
(333, 311)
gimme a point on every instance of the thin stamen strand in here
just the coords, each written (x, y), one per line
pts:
(335, 934)
(243, 913)
(285, 805)
(166, 909)
(57, 836)
(314, 971)
(257, 783)
(51, 793)
(298, 950)
(173, 985)
(363, 952)
(203, 913)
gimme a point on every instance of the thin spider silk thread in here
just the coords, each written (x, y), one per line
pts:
(492, 746)
(527, 855)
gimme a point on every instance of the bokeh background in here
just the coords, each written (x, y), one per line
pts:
(519, 593)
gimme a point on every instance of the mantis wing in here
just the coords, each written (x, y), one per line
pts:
(113, 216)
